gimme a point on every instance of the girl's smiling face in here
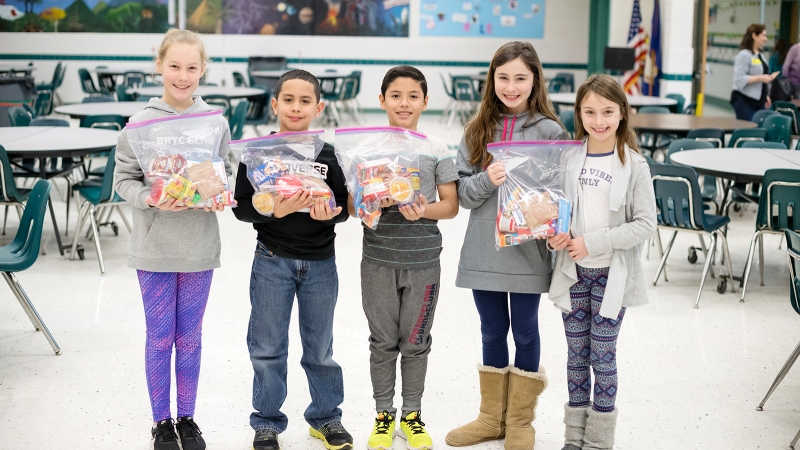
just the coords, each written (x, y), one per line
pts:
(600, 117)
(181, 70)
(513, 84)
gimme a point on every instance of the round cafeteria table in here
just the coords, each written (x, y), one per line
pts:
(124, 109)
(636, 101)
(278, 72)
(55, 142)
(17, 68)
(681, 124)
(229, 91)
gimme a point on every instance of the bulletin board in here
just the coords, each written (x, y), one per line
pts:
(482, 18)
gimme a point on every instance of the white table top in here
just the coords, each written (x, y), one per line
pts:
(55, 141)
(734, 163)
(636, 101)
(122, 70)
(277, 73)
(16, 68)
(230, 91)
(81, 110)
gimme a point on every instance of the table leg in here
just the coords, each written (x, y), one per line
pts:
(43, 173)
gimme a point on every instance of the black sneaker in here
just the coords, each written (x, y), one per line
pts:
(266, 440)
(189, 434)
(334, 436)
(164, 437)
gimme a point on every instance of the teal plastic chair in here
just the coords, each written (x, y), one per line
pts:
(87, 83)
(793, 253)
(789, 110)
(677, 108)
(21, 254)
(19, 116)
(567, 117)
(777, 206)
(715, 136)
(122, 93)
(653, 110)
(756, 144)
(52, 87)
(98, 196)
(98, 99)
(653, 142)
(43, 105)
(761, 114)
(744, 135)
(238, 120)
(104, 121)
(220, 100)
(259, 108)
(709, 191)
(48, 122)
(779, 129)
(239, 80)
(12, 195)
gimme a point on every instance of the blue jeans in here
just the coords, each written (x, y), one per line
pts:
(743, 110)
(493, 307)
(274, 283)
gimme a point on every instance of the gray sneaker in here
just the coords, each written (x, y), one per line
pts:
(266, 440)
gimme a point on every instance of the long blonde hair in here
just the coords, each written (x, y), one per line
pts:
(480, 129)
(605, 86)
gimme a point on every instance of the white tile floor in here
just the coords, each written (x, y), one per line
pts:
(688, 378)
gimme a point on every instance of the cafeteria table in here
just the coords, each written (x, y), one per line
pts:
(636, 101)
(55, 142)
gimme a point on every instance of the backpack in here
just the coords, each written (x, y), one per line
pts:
(780, 90)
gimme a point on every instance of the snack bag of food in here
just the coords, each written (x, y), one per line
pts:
(284, 163)
(179, 158)
(531, 202)
(379, 163)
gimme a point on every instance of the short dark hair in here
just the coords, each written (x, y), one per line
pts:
(298, 74)
(404, 71)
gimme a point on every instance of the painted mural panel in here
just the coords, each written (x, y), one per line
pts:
(99, 16)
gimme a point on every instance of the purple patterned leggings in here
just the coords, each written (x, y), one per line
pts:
(591, 341)
(174, 304)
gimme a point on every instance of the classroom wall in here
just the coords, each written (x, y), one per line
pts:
(565, 42)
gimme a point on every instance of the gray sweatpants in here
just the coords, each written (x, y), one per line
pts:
(399, 305)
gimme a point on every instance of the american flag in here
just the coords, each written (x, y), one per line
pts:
(638, 40)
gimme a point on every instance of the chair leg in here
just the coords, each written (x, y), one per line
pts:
(705, 253)
(13, 283)
(5, 219)
(664, 258)
(794, 441)
(97, 240)
(81, 220)
(124, 218)
(727, 255)
(781, 375)
(761, 257)
(706, 268)
(748, 265)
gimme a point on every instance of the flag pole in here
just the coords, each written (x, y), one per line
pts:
(703, 48)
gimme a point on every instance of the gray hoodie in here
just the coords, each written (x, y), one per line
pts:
(166, 241)
(522, 268)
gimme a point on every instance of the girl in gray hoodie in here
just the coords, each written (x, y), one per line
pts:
(515, 106)
(174, 250)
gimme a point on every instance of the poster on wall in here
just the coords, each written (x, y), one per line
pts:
(99, 16)
(317, 17)
(482, 18)
(294, 17)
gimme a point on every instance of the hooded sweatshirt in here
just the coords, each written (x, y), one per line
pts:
(167, 241)
(521, 268)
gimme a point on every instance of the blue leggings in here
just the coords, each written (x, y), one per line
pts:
(493, 307)
(174, 304)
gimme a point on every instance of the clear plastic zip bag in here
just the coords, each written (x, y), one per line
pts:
(531, 203)
(284, 163)
(379, 163)
(179, 156)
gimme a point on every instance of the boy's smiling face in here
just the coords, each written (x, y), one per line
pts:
(296, 105)
(404, 102)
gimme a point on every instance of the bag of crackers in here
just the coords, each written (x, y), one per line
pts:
(179, 156)
(379, 163)
(532, 203)
(284, 163)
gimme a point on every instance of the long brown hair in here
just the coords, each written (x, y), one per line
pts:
(604, 86)
(480, 129)
(747, 40)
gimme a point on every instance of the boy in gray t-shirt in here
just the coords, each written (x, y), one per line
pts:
(400, 270)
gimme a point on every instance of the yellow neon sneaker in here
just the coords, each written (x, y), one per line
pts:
(413, 431)
(382, 432)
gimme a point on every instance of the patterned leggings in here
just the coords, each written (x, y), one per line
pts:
(592, 340)
(174, 304)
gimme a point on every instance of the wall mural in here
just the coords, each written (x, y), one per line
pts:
(292, 17)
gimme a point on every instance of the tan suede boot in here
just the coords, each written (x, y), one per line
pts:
(490, 424)
(524, 389)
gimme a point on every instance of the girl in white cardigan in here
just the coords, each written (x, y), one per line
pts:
(598, 269)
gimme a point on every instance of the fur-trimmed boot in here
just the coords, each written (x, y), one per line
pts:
(575, 422)
(600, 427)
(524, 389)
(491, 421)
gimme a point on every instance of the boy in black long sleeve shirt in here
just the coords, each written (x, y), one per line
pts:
(295, 256)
